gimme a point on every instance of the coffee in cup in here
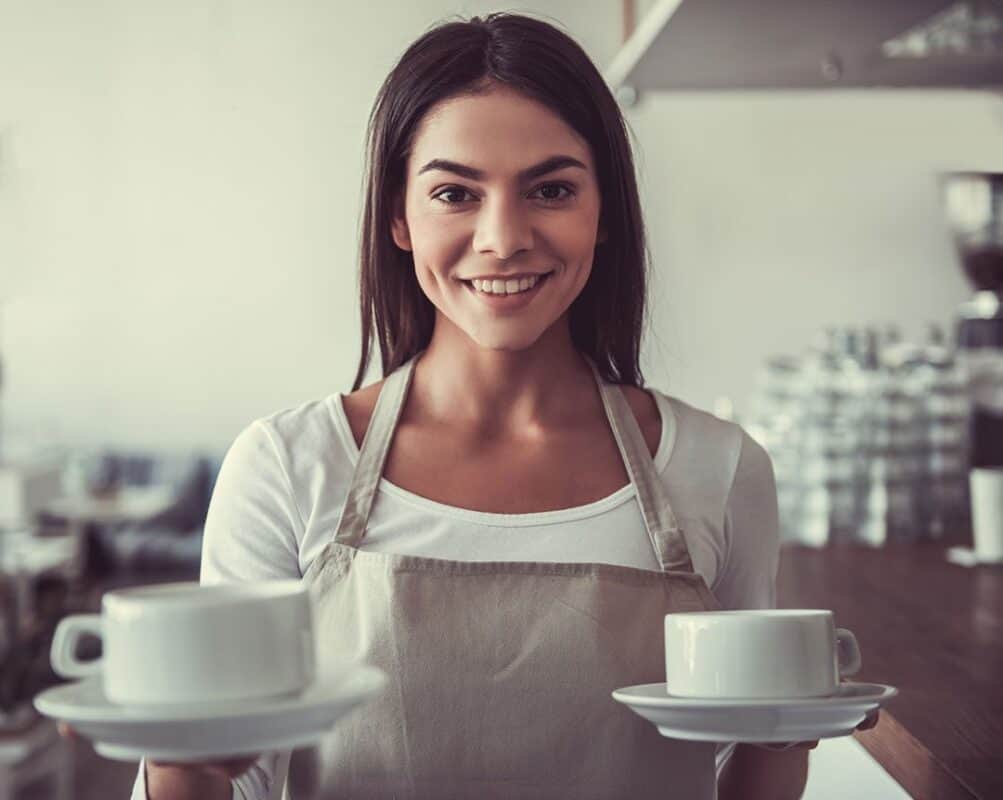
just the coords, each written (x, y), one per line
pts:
(772, 653)
(186, 644)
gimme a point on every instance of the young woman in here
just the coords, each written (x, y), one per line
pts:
(503, 520)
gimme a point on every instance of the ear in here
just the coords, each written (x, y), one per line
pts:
(601, 236)
(398, 225)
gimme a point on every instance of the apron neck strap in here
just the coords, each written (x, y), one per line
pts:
(373, 455)
(659, 520)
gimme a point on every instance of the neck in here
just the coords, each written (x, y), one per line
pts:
(545, 386)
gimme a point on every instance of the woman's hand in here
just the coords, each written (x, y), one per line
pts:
(229, 767)
(769, 771)
(869, 722)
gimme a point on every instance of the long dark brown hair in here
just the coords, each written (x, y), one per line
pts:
(547, 65)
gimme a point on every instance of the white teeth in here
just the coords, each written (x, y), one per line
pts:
(506, 287)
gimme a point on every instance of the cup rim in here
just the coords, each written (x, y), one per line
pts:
(989, 471)
(170, 595)
(752, 613)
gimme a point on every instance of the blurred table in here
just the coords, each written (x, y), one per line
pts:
(26, 552)
(935, 631)
(129, 504)
(85, 515)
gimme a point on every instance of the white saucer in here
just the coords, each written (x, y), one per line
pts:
(767, 720)
(128, 733)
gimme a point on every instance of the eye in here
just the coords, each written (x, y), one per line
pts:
(552, 192)
(450, 190)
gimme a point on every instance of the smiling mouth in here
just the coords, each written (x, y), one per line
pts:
(544, 278)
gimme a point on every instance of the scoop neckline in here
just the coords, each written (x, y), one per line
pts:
(662, 455)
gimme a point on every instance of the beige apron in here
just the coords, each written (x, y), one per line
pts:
(500, 672)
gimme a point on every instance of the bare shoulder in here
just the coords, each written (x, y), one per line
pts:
(359, 407)
(642, 403)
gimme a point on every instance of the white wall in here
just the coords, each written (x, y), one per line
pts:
(180, 187)
(773, 214)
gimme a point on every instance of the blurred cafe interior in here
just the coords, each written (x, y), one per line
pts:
(822, 185)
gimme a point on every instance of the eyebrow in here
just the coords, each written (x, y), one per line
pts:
(551, 164)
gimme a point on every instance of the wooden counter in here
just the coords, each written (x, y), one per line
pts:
(935, 631)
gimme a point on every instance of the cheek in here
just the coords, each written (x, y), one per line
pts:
(574, 235)
(575, 246)
(437, 245)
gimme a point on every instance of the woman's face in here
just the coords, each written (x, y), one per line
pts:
(501, 212)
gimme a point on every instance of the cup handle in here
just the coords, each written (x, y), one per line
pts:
(64, 645)
(848, 652)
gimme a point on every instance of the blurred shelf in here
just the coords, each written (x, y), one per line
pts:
(792, 44)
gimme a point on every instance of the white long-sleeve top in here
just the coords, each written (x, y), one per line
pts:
(283, 482)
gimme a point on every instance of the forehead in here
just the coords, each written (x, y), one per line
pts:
(499, 132)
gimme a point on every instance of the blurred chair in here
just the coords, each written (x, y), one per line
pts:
(171, 539)
(36, 763)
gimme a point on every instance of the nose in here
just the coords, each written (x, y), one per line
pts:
(503, 228)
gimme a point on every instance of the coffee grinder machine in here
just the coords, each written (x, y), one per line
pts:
(973, 203)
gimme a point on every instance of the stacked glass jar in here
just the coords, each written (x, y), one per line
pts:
(867, 438)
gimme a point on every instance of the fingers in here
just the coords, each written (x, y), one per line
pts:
(230, 767)
(869, 721)
(234, 767)
(67, 732)
(779, 747)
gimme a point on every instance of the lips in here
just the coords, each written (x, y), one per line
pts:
(506, 302)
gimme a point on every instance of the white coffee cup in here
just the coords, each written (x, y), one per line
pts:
(187, 644)
(986, 485)
(772, 653)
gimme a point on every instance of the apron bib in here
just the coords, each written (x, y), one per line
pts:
(500, 673)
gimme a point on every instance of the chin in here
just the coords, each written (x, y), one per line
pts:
(506, 342)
